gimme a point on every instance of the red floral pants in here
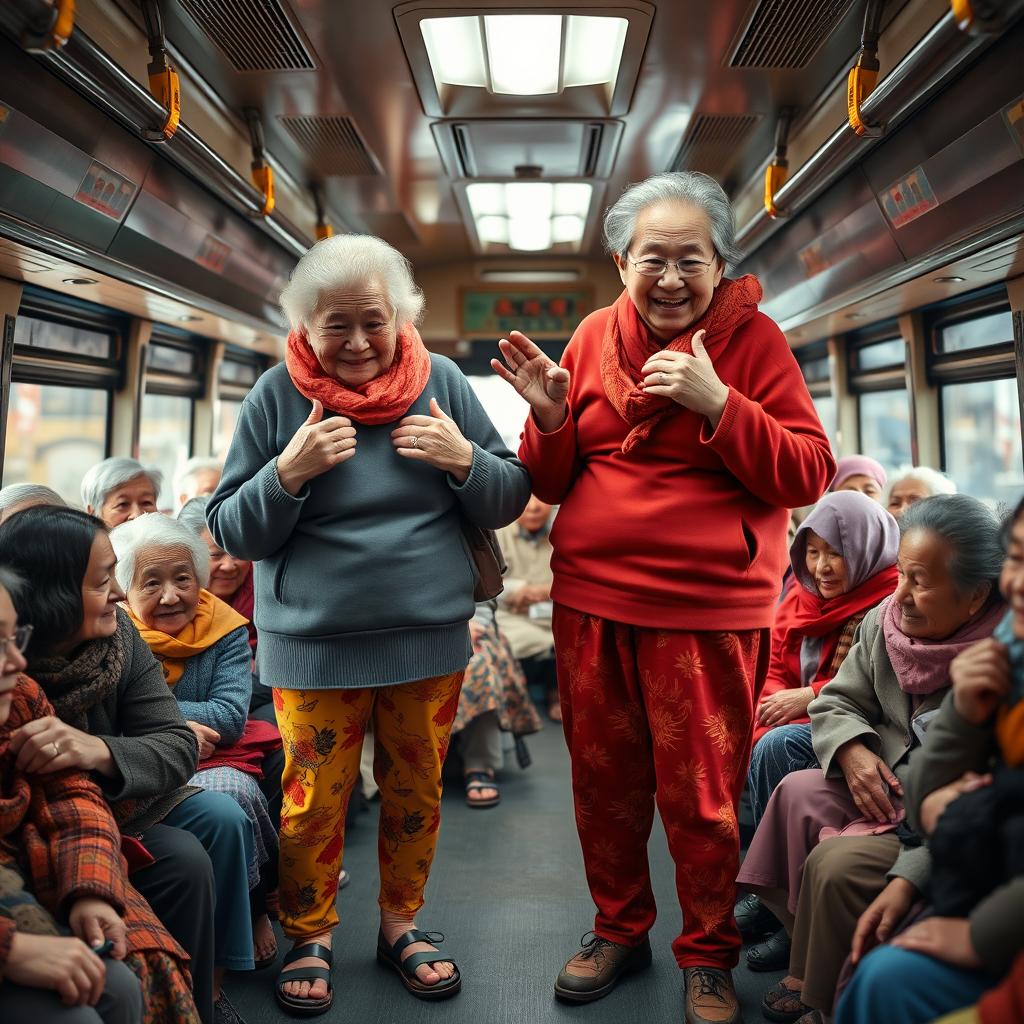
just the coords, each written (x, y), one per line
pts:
(659, 716)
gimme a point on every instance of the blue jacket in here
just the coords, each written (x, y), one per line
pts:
(215, 687)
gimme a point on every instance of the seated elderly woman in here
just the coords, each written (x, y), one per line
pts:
(116, 719)
(914, 483)
(202, 646)
(119, 489)
(860, 473)
(15, 497)
(844, 562)
(197, 477)
(864, 725)
(353, 468)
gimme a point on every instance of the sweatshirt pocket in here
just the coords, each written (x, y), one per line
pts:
(280, 572)
(751, 543)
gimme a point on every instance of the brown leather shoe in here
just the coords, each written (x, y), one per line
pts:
(710, 997)
(602, 962)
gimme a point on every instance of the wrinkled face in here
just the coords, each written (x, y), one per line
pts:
(827, 566)
(930, 606)
(354, 336)
(202, 481)
(671, 231)
(1011, 579)
(100, 595)
(865, 484)
(164, 592)
(904, 493)
(12, 662)
(126, 502)
(535, 515)
(226, 571)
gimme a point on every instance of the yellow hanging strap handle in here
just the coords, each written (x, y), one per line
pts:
(777, 171)
(63, 23)
(324, 230)
(51, 29)
(863, 76)
(262, 172)
(963, 12)
(164, 86)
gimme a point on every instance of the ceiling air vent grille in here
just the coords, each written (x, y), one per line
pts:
(712, 142)
(254, 35)
(333, 146)
(787, 33)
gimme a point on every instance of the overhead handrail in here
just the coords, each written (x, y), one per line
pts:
(863, 77)
(262, 172)
(163, 78)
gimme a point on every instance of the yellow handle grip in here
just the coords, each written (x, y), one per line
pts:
(263, 179)
(166, 90)
(860, 83)
(774, 178)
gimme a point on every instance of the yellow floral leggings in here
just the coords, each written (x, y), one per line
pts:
(323, 732)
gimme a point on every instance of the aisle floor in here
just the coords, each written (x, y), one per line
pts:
(508, 891)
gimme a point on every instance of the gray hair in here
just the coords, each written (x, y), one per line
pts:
(102, 478)
(970, 528)
(27, 495)
(193, 514)
(692, 187)
(197, 464)
(12, 582)
(154, 530)
(933, 480)
(344, 262)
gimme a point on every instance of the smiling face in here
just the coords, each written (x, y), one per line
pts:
(226, 572)
(903, 494)
(826, 566)
(127, 501)
(1011, 579)
(354, 336)
(12, 662)
(672, 231)
(930, 606)
(164, 592)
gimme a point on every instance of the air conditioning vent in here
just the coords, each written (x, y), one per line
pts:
(254, 35)
(712, 142)
(787, 33)
(332, 145)
(592, 136)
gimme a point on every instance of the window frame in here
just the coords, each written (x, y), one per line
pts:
(231, 391)
(986, 363)
(885, 378)
(168, 382)
(814, 353)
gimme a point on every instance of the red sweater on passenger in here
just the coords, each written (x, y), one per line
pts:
(688, 530)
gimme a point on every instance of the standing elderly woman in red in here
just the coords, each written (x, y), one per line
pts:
(676, 435)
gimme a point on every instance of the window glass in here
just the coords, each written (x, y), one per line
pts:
(828, 414)
(171, 360)
(165, 436)
(981, 436)
(885, 427)
(80, 341)
(54, 434)
(224, 426)
(506, 409)
(990, 329)
(234, 371)
(881, 354)
(815, 370)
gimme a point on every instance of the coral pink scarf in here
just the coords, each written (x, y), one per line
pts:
(384, 399)
(628, 344)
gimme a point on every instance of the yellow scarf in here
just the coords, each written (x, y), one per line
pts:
(212, 622)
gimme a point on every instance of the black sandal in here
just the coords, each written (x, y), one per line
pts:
(391, 956)
(475, 781)
(305, 1007)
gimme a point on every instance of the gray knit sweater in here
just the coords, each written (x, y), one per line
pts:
(363, 578)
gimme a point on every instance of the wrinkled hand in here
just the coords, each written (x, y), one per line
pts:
(867, 775)
(933, 806)
(687, 379)
(208, 738)
(542, 382)
(435, 440)
(784, 706)
(94, 921)
(526, 596)
(981, 680)
(47, 745)
(890, 906)
(946, 938)
(64, 965)
(317, 446)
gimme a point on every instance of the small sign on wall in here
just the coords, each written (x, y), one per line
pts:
(105, 191)
(537, 312)
(908, 198)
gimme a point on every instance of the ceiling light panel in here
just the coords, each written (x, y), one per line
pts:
(524, 53)
(455, 50)
(531, 235)
(529, 200)
(593, 49)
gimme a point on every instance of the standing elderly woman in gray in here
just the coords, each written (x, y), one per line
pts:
(119, 489)
(351, 470)
(676, 435)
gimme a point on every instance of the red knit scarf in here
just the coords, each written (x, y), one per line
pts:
(384, 399)
(627, 345)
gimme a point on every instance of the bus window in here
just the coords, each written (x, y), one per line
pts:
(224, 426)
(885, 426)
(165, 437)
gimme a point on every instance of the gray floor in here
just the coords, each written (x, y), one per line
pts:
(508, 890)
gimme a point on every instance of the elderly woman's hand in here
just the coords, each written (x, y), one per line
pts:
(208, 738)
(784, 706)
(945, 938)
(94, 921)
(981, 680)
(47, 745)
(542, 382)
(885, 913)
(867, 775)
(687, 379)
(933, 806)
(435, 440)
(317, 446)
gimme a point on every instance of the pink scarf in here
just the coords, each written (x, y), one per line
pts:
(922, 666)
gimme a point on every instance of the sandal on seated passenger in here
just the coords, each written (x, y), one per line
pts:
(782, 1004)
(294, 1005)
(391, 956)
(476, 781)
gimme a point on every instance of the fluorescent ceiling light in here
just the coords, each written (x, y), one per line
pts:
(455, 50)
(492, 229)
(524, 53)
(593, 50)
(530, 276)
(530, 215)
(573, 197)
(529, 235)
(485, 198)
(529, 200)
(567, 228)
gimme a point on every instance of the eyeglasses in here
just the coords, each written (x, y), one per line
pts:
(18, 640)
(652, 266)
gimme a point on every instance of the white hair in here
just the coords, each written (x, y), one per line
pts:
(934, 481)
(197, 464)
(26, 495)
(193, 514)
(102, 478)
(691, 187)
(155, 530)
(344, 262)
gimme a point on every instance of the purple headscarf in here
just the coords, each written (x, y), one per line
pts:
(858, 465)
